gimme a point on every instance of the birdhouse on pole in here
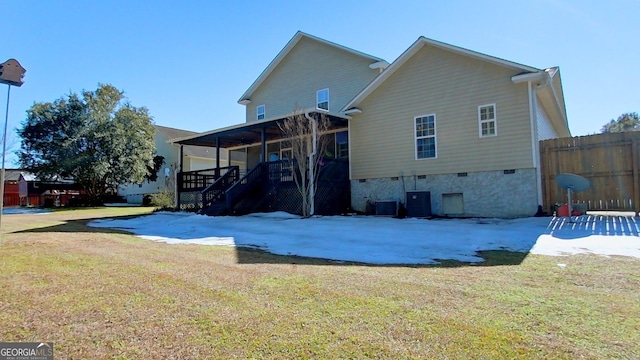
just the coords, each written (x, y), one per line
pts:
(11, 73)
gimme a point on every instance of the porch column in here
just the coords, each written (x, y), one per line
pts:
(263, 144)
(181, 156)
(218, 155)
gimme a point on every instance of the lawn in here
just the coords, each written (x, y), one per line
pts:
(102, 293)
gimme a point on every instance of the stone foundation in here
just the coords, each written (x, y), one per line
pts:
(485, 194)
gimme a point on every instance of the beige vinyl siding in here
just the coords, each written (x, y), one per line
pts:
(451, 86)
(544, 126)
(311, 66)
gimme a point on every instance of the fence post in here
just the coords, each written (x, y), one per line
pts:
(547, 172)
(544, 163)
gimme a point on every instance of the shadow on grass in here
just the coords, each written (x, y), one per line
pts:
(247, 255)
(80, 226)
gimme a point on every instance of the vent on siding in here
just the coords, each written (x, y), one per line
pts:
(463, 174)
(510, 171)
(422, 176)
(453, 204)
(362, 180)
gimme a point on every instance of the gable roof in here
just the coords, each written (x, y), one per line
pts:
(173, 132)
(414, 48)
(12, 174)
(287, 49)
(191, 151)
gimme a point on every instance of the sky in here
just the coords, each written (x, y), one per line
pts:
(365, 239)
(189, 62)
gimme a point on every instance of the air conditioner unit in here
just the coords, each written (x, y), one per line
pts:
(418, 204)
(387, 208)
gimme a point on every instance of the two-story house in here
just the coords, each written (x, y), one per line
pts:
(461, 125)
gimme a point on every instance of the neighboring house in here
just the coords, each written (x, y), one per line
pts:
(11, 190)
(55, 192)
(459, 124)
(193, 158)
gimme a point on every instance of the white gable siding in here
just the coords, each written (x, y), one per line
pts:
(133, 192)
(544, 126)
(194, 163)
(452, 86)
(311, 66)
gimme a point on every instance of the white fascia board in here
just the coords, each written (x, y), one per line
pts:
(253, 123)
(413, 49)
(406, 55)
(287, 49)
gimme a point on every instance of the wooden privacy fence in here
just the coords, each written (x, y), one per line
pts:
(610, 161)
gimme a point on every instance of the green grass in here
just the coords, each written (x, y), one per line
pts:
(106, 294)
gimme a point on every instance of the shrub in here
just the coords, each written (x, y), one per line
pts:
(163, 200)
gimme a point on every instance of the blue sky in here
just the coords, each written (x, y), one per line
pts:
(188, 62)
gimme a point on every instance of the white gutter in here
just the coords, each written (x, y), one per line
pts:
(543, 79)
(534, 76)
(312, 155)
(380, 65)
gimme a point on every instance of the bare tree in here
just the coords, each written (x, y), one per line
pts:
(307, 135)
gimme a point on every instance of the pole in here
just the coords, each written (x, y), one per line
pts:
(4, 150)
(569, 203)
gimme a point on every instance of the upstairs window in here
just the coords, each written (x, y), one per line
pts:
(487, 120)
(425, 134)
(260, 112)
(322, 99)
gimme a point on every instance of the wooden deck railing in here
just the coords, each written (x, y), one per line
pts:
(198, 180)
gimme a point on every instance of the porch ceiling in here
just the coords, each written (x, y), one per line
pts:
(249, 133)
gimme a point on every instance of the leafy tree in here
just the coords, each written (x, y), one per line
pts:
(97, 138)
(625, 122)
(152, 171)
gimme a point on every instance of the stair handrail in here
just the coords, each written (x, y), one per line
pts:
(236, 190)
(214, 192)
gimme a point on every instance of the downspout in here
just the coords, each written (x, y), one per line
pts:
(535, 81)
(535, 142)
(312, 155)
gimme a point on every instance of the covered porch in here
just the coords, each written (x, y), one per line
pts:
(259, 153)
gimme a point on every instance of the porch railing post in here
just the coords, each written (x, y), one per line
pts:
(181, 157)
(263, 145)
(218, 157)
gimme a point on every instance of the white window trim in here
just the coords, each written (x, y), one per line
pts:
(264, 112)
(494, 120)
(318, 99)
(434, 136)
